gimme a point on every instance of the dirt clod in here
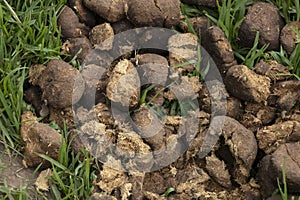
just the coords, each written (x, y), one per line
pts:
(136, 181)
(153, 115)
(70, 25)
(100, 196)
(239, 148)
(122, 25)
(146, 121)
(273, 70)
(131, 146)
(111, 179)
(180, 88)
(213, 97)
(153, 132)
(62, 117)
(234, 108)
(101, 33)
(94, 136)
(39, 138)
(196, 144)
(183, 51)
(216, 44)
(85, 15)
(251, 122)
(104, 115)
(257, 115)
(217, 170)
(32, 96)
(161, 13)
(79, 47)
(42, 181)
(286, 155)
(265, 18)
(111, 10)
(154, 177)
(153, 69)
(208, 3)
(285, 95)
(289, 37)
(123, 86)
(265, 114)
(61, 84)
(246, 85)
(191, 182)
(200, 25)
(95, 82)
(271, 137)
(152, 196)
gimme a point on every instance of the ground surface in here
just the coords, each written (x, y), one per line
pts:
(139, 115)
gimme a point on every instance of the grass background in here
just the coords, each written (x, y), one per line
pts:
(29, 34)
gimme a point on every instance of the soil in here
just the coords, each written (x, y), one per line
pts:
(288, 154)
(154, 12)
(71, 27)
(265, 18)
(288, 37)
(202, 153)
(85, 15)
(123, 84)
(15, 175)
(39, 138)
(78, 47)
(246, 85)
(272, 69)
(110, 10)
(208, 3)
(100, 33)
(217, 45)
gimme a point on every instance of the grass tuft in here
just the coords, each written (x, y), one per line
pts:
(28, 34)
(73, 175)
(289, 9)
(292, 61)
(253, 55)
(231, 16)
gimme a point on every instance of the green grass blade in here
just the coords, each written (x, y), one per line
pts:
(55, 192)
(54, 162)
